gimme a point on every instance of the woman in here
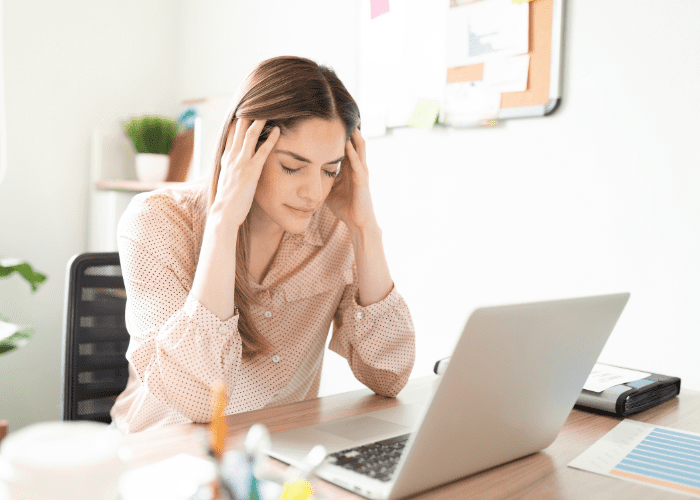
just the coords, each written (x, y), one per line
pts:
(238, 280)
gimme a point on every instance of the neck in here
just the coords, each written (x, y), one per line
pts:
(262, 228)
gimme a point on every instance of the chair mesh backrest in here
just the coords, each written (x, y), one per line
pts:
(95, 338)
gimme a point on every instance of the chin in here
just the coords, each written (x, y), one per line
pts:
(291, 222)
(293, 225)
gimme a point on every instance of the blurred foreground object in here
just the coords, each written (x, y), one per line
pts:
(63, 460)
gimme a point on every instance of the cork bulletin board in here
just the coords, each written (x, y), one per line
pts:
(402, 61)
(543, 92)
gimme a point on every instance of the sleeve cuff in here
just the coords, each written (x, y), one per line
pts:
(207, 320)
(376, 310)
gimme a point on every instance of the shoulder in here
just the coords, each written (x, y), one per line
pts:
(161, 215)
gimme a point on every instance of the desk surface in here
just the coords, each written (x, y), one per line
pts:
(543, 475)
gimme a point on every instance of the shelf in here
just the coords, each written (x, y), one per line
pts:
(134, 186)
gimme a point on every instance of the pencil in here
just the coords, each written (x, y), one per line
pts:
(217, 429)
(217, 434)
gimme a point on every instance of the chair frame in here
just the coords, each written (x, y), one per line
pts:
(71, 318)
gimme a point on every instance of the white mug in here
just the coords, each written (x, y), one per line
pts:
(60, 460)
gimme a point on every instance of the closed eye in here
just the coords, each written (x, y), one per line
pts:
(291, 171)
(294, 171)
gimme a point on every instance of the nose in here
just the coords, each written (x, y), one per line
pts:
(312, 189)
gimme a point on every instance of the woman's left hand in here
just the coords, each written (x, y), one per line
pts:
(349, 199)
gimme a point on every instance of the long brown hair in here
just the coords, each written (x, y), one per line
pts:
(284, 91)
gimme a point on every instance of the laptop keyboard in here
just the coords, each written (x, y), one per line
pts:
(376, 460)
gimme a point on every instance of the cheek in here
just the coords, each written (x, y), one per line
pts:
(327, 186)
(273, 184)
(265, 184)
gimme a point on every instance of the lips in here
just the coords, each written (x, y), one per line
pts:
(303, 212)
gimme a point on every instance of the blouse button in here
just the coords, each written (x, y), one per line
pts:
(360, 314)
(276, 358)
(223, 329)
(268, 314)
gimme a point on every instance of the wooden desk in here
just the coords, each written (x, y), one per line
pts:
(543, 475)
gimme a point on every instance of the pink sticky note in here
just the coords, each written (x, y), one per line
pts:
(379, 7)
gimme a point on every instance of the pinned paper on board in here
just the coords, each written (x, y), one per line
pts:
(485, 31)
(379, 7)
(425, 114)
(508, 74)
(470, 104)
(391, 81)
(508, 50)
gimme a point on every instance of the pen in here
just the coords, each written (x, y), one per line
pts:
(441, 366)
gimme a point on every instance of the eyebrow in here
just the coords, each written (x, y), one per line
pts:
(301, 158)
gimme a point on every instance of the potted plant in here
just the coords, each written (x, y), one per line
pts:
(153, 137)
(13, 336)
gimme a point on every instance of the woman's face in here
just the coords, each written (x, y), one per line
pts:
(299, 173)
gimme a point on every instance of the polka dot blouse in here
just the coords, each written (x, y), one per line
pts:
(179, 349)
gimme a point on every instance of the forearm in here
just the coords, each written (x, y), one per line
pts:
(179, 348)
(375, 282)
(215, 278)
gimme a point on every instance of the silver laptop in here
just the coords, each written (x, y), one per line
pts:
(511, 382)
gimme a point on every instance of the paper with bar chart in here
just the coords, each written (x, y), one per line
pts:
(649, 454)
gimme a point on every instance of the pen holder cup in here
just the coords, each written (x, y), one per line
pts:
(238, 477)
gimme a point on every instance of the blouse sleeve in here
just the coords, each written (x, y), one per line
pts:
(178, 348)
(377, 340)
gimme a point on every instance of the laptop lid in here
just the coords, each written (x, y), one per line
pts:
(511, 383)
(512, 380)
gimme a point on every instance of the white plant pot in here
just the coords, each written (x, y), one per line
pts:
(152, 167)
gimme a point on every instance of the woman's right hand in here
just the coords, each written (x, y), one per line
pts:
(241, 166)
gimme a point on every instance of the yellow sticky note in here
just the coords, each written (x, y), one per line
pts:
(297, 489)
(425, 114)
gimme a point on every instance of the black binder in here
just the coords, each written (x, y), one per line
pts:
(631, 397)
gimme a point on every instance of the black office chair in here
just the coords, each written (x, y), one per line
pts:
(95, 339)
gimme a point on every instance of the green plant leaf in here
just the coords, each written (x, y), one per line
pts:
(152, 134)
(9, 266)
(15, 341)
(11, 337)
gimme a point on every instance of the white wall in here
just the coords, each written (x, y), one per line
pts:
(600, 197)
(220, 44)
(69, 66)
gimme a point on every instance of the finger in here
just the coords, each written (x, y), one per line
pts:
(242, 126)
(360, 145)
(354, 158)
(266, 147)
(251, 138)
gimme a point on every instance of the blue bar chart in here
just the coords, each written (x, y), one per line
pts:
(643, 453)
